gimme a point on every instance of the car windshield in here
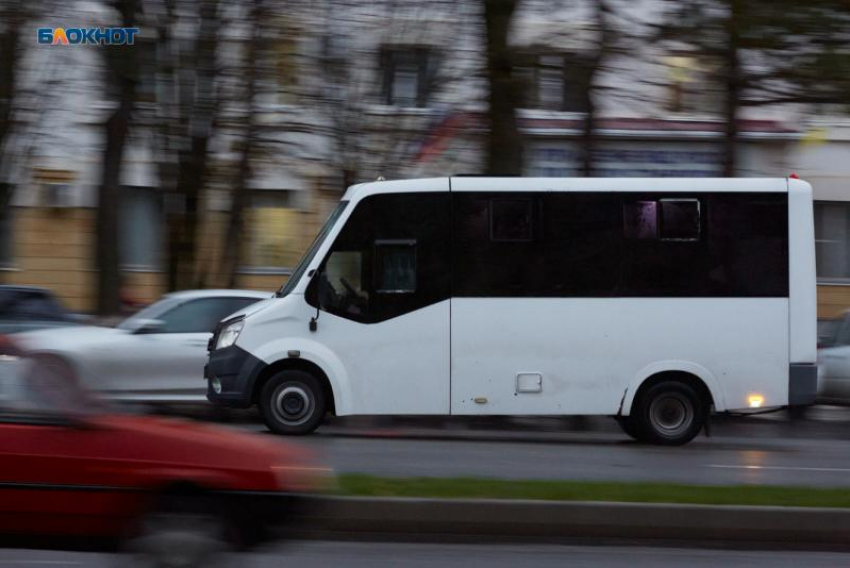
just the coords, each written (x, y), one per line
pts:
(36, 388)
(299, 271)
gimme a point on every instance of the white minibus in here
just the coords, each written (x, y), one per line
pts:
(655, 301)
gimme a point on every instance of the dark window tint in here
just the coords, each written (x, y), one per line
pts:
(510, 219)
(391, 258)
(640, 220)
(201, 315)
(30, 305)
(680, 219)
(395, 263)
(723, 244)
(569, 249)
(608, 244)
(668, 219)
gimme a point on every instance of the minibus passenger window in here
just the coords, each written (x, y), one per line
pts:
(640, 220)
(510, 220)
(395, 262)
(680, 219)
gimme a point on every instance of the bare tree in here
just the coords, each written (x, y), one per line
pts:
(122, 69)
(240, 198)
(186, 109)
(504, 143)
(768, 52)
(13, 15)
(594, 64)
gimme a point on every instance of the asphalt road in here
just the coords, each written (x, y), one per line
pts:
(391, 555)
(755, 451)
(704, 462)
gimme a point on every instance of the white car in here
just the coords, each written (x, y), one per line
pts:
(834, 360)
(156, 355)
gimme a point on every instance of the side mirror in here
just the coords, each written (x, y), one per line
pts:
(322, 288)
(149, 326)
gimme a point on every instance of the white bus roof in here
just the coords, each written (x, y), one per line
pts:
(677, 185)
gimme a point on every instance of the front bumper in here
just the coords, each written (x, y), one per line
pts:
(237, 371)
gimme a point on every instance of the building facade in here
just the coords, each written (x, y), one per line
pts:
(392, 89)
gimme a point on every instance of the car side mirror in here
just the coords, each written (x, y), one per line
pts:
(148, 326)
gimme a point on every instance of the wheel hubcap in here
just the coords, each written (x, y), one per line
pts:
(671, 414)
(292, 404)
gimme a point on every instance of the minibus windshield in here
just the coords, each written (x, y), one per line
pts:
(311, 252)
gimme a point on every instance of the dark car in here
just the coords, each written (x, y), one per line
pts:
(25, 308)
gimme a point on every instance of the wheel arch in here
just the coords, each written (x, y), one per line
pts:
(689, 373)
(295, 364)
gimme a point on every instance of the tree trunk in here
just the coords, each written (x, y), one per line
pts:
(733, 90)
(241, 198)
(122, 71)
(13, 14)
(184, 217)
(589, 139)
(504, 144)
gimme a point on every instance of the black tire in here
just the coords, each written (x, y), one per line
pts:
(631, 427)
(292, 402)
(184, 531)
(670, 413)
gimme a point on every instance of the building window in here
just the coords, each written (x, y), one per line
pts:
(272, 228)
(6, 236)
(147, 60)
(553, 82)
(406, 76)
(693, 85)
(286, 64)
(141, 229)
(832, 240)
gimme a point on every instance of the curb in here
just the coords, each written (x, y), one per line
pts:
(501, 520)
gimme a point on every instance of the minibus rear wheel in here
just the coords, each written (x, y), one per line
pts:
(670, 413)
(292, 402)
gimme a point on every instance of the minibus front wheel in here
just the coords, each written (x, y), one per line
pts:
(292, 402)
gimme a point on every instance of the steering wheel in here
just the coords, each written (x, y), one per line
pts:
(349, 288)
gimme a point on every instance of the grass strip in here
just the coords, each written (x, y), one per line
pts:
(474, 488)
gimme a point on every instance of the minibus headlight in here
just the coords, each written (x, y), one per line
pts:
(228, 335)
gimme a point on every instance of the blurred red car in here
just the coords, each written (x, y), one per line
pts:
(70, 467)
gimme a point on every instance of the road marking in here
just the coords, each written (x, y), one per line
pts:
(781, 467)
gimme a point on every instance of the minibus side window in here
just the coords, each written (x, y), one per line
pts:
(395, 266)
(391, 258)
(511, 220)
(664, 219)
